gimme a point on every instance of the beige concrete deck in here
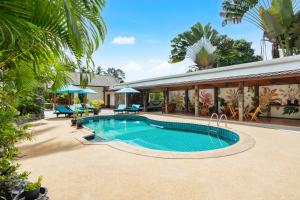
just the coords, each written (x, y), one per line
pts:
(71, 170)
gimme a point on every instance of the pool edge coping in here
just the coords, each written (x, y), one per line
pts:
(246, 142)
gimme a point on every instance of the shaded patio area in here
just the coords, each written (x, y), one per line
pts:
(263, 92)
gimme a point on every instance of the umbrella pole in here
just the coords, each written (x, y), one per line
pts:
(125, 99)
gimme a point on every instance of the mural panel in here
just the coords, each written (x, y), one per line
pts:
(227, 97)
(206, 101)
(280, 101)
(177, 98)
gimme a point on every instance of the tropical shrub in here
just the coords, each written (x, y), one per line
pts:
(97, 104)
(34, 186)
(39, 41)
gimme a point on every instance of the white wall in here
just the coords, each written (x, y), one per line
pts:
(98, 96)
(112, 98)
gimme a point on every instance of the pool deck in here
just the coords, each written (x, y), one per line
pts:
(72, 170)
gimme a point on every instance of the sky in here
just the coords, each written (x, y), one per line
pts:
(139, 34)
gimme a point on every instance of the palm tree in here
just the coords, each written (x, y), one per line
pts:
(276, 18)
(202, 53)
(29, 29)
(180, 43)
(228, 52)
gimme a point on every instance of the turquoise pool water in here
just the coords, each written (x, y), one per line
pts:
(153, 136)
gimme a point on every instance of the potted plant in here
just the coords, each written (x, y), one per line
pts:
(32, 190)
(75, 118)
(76, 113)
(97, 104)
(79, 123)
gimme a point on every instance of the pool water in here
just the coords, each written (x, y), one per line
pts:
(150, 136)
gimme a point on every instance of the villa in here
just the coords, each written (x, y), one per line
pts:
(274, 85)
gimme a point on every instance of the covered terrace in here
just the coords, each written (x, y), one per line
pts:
(252, 91)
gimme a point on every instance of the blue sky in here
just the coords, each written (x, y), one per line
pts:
(140, 31)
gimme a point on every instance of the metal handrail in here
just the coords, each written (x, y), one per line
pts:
(211, 117)
(221, 117)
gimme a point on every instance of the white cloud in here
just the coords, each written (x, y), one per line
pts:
(132, 66)
(124, 40)
(154, 61)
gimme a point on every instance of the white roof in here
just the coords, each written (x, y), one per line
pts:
(280, 66)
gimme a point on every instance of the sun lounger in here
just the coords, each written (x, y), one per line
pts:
(121, 108)
(61, 109)
(134, 108)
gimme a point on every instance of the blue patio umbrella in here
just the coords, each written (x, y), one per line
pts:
(69, 89)
(88, 91)
(127, 90)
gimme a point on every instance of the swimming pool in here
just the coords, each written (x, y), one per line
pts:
(159, 135)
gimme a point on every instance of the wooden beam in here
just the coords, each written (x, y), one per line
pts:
(186, 100)
(241, 101)
(145, 100)
(196, 100)
(216, 99)
(166, 92)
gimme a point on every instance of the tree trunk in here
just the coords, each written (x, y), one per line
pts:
(275, 50)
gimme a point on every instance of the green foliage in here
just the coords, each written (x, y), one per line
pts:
(228, 52)
(10, 134)
(114, 72)
(232, 52)
(28, 105)
(182, 41)
(56, 25)
(288, 110)
(34, 186)
(38, 43)
(278, 19)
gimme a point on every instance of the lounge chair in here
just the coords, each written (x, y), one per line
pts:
(61, 109)
(89, 107)
(121, 108)
(134, 108)
(254, 115)
(77, 107)
(233, 113)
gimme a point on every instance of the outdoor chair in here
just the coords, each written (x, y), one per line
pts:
(121, 108)
(134, 108)
(78, 108)
(233, 113)
(254, 115)
(61, 109)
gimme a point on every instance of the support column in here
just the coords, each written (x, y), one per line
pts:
(186, 100)
(196, 100)
(216, 99)
(145, 100)
(256, 95)
(241, 101)
(166, 98)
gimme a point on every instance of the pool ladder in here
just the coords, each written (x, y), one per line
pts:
(213, 129)
(219, 120)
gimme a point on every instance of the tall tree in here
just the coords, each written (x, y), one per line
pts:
(117, 73)
(276, 18)
(228, 51)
